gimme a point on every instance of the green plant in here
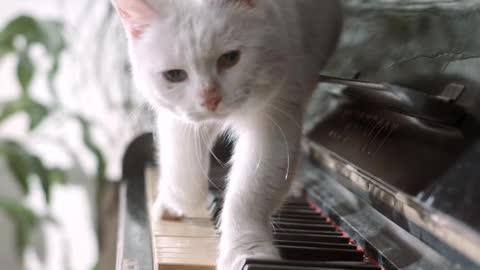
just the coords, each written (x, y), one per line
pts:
(17, 39)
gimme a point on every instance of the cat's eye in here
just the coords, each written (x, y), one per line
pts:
(229, 59)
(175, 75)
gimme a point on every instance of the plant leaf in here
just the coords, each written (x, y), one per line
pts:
(18, 162)
(25, 221)
(5, 48)
(11, 108)
(46, 32)
(57, 176)
(22, 164)
(25, 71)
(24, 26)
(36, 111)
(95, 150)
(52, 74)
(52, 36)
(43, 174)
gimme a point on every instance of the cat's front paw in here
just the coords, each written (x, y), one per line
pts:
(161, 212)
(233, 258)
(171, 207)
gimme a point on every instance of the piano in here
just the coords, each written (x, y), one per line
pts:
(390, 180)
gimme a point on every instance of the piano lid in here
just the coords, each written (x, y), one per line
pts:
(414, 155)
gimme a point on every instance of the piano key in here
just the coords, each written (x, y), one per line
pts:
(263, 264)
(304, 221)
(300, 202)
(296, 207)
(283, 267)
(216, 213)
(311, 238)
(313, 216)
(303, 226)
(212, 198)
(312, 232)
(319, 254)
(295, 201)
(185, 245)
(299, 207)
(314, 244)
(297, 211)
(187, 228)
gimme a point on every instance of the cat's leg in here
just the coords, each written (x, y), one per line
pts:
(184, 163)
(263, 165)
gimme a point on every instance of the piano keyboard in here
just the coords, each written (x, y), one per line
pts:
(190, 244)
(306, 239)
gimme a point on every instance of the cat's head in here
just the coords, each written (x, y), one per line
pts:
(203, 59)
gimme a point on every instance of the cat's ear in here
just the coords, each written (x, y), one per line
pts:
(136, 16)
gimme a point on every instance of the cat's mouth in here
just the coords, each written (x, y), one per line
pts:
(225, 110)
(203, 117)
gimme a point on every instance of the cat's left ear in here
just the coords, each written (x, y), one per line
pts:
(136, 16)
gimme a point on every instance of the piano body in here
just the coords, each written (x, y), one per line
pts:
(391, 173)
(391, 181)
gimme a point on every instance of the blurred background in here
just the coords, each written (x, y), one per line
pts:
(67, 109)
(66, 115)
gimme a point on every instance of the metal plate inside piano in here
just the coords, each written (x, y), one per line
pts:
(408, 166)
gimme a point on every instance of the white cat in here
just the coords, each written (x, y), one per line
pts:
(246, 66)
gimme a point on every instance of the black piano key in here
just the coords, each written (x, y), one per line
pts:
(299, 202)
(313, 232)
(297, 210)
(295, 201)
(296, 207)
(311, 238)
(216, 213)
(283, 267)
(311, 216)
(305, 221)
(315, 244)
(319, 254)
(303, 226)
(262, 264)
(214, 206)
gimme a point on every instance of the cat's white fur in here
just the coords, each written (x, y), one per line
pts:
(284, 44)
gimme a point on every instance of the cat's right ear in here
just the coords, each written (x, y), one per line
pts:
(136, 16)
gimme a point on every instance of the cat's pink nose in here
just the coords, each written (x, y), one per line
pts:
(212, 103)
(211, 99)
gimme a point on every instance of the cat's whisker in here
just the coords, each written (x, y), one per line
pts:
(286, 144)
(274, 226)
(287, 115)
(197, 149)
(205, 141)
(257, 167)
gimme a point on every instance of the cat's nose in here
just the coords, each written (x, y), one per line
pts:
(211, 98)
